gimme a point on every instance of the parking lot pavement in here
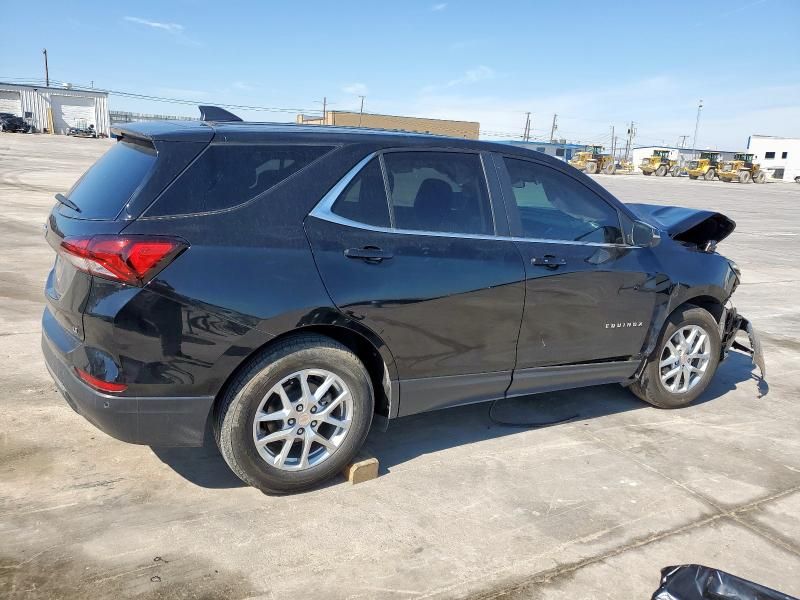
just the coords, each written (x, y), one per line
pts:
(593, 508)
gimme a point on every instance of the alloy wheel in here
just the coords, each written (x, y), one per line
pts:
(303, 419)
(685, 359)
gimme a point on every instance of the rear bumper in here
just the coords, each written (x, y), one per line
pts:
(732, 322)
(154, 421)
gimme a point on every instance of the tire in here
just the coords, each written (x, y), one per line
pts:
(610, 169)
(674, 171)
(761, 177)
(234, 422)
(797, 179)
(591, 167)
(650, 386)
(744, 177)
(709, 175)
(661, 171)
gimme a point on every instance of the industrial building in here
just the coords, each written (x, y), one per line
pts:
(560, 149)
(461, 129)
(778, 156)
(56, 109)
(682, 155)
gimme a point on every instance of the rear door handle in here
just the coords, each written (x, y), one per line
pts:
(370, 254)
(548, 260)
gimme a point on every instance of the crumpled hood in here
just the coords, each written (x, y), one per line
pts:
(686, 224)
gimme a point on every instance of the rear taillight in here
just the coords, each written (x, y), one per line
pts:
(100, 384)
(131, 259)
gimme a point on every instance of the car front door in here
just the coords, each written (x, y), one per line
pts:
(407, 245)
(589, 296)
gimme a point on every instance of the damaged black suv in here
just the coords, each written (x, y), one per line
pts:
(286, 286)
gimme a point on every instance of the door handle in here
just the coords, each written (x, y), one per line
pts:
(549, 261)
(370, 254)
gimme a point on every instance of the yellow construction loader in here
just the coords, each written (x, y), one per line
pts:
(592, 160)
(704, 167)
(659, 164)
(741, 169)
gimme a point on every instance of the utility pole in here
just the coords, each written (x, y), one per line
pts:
(613, 143)
(46, 70)
(696, 125)
(361, 113)
(526, 135)
(682, 143)
(629, 141)
(553, 129)
(324, 110)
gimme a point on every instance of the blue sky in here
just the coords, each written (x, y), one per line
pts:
(595, 64)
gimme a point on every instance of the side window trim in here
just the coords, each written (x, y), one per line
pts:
(513, 211)
(323, 208)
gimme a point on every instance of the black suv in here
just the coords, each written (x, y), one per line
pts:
(11, 122)
(288, 285)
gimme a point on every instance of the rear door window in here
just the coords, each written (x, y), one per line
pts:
(226, 175)
(364, 199)
(439, 192)
(111, 181)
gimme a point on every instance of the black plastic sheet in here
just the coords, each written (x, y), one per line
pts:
(696, 582)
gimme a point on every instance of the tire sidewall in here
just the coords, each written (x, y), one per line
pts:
(237, 431)
(659, 394)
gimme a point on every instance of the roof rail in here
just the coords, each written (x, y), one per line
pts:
(215, 113)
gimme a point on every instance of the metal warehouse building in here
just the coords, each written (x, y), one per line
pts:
(55, 107)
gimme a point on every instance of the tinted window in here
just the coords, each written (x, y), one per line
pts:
(228, 175)
(438, 191)
(769, 155)
(553, 206)
(364, 199)
(110, 182)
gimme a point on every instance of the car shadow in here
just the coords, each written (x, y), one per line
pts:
(409, 437)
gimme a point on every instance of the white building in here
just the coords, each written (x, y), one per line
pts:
(56, 108)
(682, 155)
(778, 156)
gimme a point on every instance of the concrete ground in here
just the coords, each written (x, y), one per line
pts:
(589, 509)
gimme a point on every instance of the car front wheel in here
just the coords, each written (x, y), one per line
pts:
(296, 416)
(684, 361)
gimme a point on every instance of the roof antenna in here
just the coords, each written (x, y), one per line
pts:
(215, 113)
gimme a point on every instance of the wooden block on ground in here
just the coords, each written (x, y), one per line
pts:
(363, 468)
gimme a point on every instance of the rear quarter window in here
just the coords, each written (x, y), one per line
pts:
(225, 176)
(111, 181)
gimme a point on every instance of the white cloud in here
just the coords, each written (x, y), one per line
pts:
(242, 86)
(357, 89)
(169, 27)
(439, 7)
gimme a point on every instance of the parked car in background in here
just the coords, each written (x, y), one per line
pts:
(10, 122)
(288, 285)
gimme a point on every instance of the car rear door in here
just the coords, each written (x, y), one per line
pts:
(407, 244)
(589, 296)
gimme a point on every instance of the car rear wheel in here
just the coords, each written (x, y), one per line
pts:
(296, 416)
(684, 361)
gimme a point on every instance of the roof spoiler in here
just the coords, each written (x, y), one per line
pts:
(215, 113)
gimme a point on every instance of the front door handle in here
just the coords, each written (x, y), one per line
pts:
(549, 261)
(370, 254)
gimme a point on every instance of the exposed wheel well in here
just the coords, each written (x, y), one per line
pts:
(358, 344)
(709, 303)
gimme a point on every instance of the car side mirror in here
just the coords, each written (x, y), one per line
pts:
(645, 235)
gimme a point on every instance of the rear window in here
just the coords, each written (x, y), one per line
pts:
(111, 181)
(225, 176)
